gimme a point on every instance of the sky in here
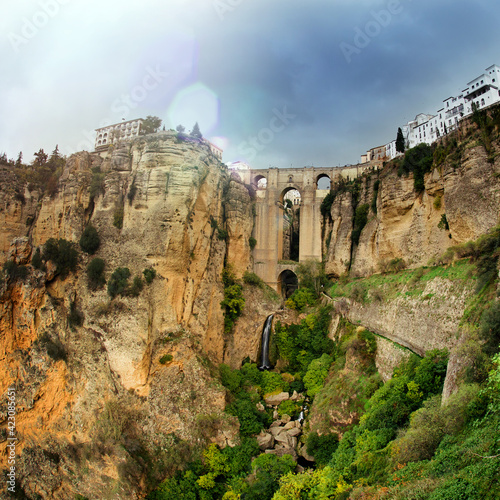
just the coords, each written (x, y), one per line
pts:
(275, 83)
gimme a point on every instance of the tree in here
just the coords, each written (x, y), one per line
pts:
(151, 125)
(89, 242)
(19, 160)
(400, 141)
(180, 129)
(196, 131)
(56, 160)
(41, 158)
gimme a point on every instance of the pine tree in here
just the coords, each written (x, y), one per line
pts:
(41, 157)
(196, 131)
(400, 141)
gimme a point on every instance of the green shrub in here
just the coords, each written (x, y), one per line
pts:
(14, 271)
(90, 241)
(149, 275)
(376, 187)
(489, 330)
(97, 182)
(95, 273)
(252, 242)
(273, 382)
(252, 279)
(54, 348)
(360, 220)
(63, 254)
(118, 282)
(36, 261)
(321, 447)
(358, 293)
(251, 421)
(231, 379)
(326, 204)
(118, 218)
(300, 299)
(419, 161)
(233, 302)
(290, 408)
(137, 286)
(222, 234)
(316, 374)
(166, 358)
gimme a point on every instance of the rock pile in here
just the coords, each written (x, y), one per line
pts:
(283, 435)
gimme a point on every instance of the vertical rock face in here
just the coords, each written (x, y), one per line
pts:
(405, 225)
(239, 215)
(146, 358)
(18, 206)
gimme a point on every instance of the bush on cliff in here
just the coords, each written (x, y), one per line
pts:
(95, 273)
(63, 254)
(118, 282)
(90, 241)
(233, 302)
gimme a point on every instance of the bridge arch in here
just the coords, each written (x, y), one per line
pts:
(260, 181)
(323, 182)
(273, 219)
(288, 282)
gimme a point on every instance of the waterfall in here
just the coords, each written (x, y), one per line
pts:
(266, 333)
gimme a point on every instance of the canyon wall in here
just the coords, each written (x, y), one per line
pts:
(139, 367)
(405, 224)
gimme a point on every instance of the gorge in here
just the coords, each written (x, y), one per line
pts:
(120, 385)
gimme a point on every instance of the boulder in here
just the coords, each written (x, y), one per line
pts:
(285, 450)
(276, 399)
(276, 430)
(283, 438)
(265, 441)
(294, 431)
(303, 453)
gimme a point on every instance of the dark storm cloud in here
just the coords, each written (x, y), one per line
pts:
(349, 73)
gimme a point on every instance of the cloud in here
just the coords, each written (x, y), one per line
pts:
(74, 72)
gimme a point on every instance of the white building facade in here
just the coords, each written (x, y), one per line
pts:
(118, 131)
(484, 91)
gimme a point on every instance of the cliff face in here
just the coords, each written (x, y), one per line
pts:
(405, 224)
(89, 391)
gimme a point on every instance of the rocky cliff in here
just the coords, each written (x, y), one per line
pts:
(403, 223)
(113, 385)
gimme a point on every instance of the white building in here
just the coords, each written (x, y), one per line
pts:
(484, 91)
(215, 149)
(118, 131)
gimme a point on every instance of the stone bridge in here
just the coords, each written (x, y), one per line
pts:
(271, 187)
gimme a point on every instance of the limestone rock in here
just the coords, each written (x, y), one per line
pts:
(303, 453)
(20, 251)
(265, 441)
(276, 399)
(294, 432)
